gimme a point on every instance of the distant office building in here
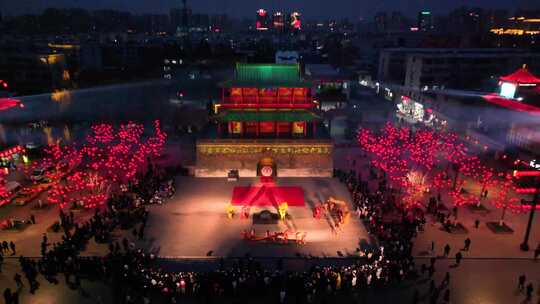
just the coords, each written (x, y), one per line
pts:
(449, 68)
(90, 57)
(332, 86)
(29, 72)
(519, 26)
(502, 121)
(220, 23)
(262, 21)
(180, 17)
(153, 23)
(381, 22)
(199, 22)
(425, 21)
(278, 21)
(296, 21)
(287, 57)
(398, 22)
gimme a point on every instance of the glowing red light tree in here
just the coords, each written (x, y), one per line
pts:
(4, 194)
(415, 161)
(108, 159)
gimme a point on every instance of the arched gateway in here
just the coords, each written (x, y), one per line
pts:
(266, 167)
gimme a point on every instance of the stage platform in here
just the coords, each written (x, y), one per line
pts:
(194, 222)
(268, 195)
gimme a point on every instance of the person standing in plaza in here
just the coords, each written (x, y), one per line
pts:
(5, 247)
(446, 297)
(18, 280)
(416, 297)
(12, 246)
(529, 292)
(446, 280)
(431, 270)
(7, 296)
(459, 256)
(521, 282)
(446, 250)
(467, 244)
(15, 297)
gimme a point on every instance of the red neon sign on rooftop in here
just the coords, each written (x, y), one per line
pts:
(8, 103)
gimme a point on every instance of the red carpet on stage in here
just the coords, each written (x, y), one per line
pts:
(268, 196)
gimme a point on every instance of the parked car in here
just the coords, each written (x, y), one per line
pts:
(40, 173)
(13, 188)
(37, 175)
(28, 194)
(21, 199)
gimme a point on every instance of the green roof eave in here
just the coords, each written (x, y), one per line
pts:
(267, 72)
(264, 84)
(260, 116)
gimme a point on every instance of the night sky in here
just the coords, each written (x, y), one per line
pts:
(243, 8)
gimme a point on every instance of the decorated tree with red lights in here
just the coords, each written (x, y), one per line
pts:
(415, 161)
(503, 195)
(4, 194)
(108, 159)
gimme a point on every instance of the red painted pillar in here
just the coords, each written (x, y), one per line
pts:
(258, 99)
(276, 129)
(258, 127)
(305, 128)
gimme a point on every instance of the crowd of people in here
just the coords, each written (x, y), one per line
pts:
(137, 276)
(388, 263)
(63, 257)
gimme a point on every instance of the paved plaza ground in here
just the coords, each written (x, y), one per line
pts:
(194, 222)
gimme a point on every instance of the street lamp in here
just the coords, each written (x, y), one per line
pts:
(525, 245)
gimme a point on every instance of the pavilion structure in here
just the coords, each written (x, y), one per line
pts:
(518, 91)
(266, 115)
(520, 82)
(266, 101)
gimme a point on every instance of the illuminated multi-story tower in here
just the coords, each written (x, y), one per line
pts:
(262, 20)
(425, 21)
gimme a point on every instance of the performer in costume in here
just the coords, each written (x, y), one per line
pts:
(230, 211)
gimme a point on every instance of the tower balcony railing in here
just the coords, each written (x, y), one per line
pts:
(268, 102)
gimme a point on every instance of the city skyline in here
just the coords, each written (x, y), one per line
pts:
(244, 8)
